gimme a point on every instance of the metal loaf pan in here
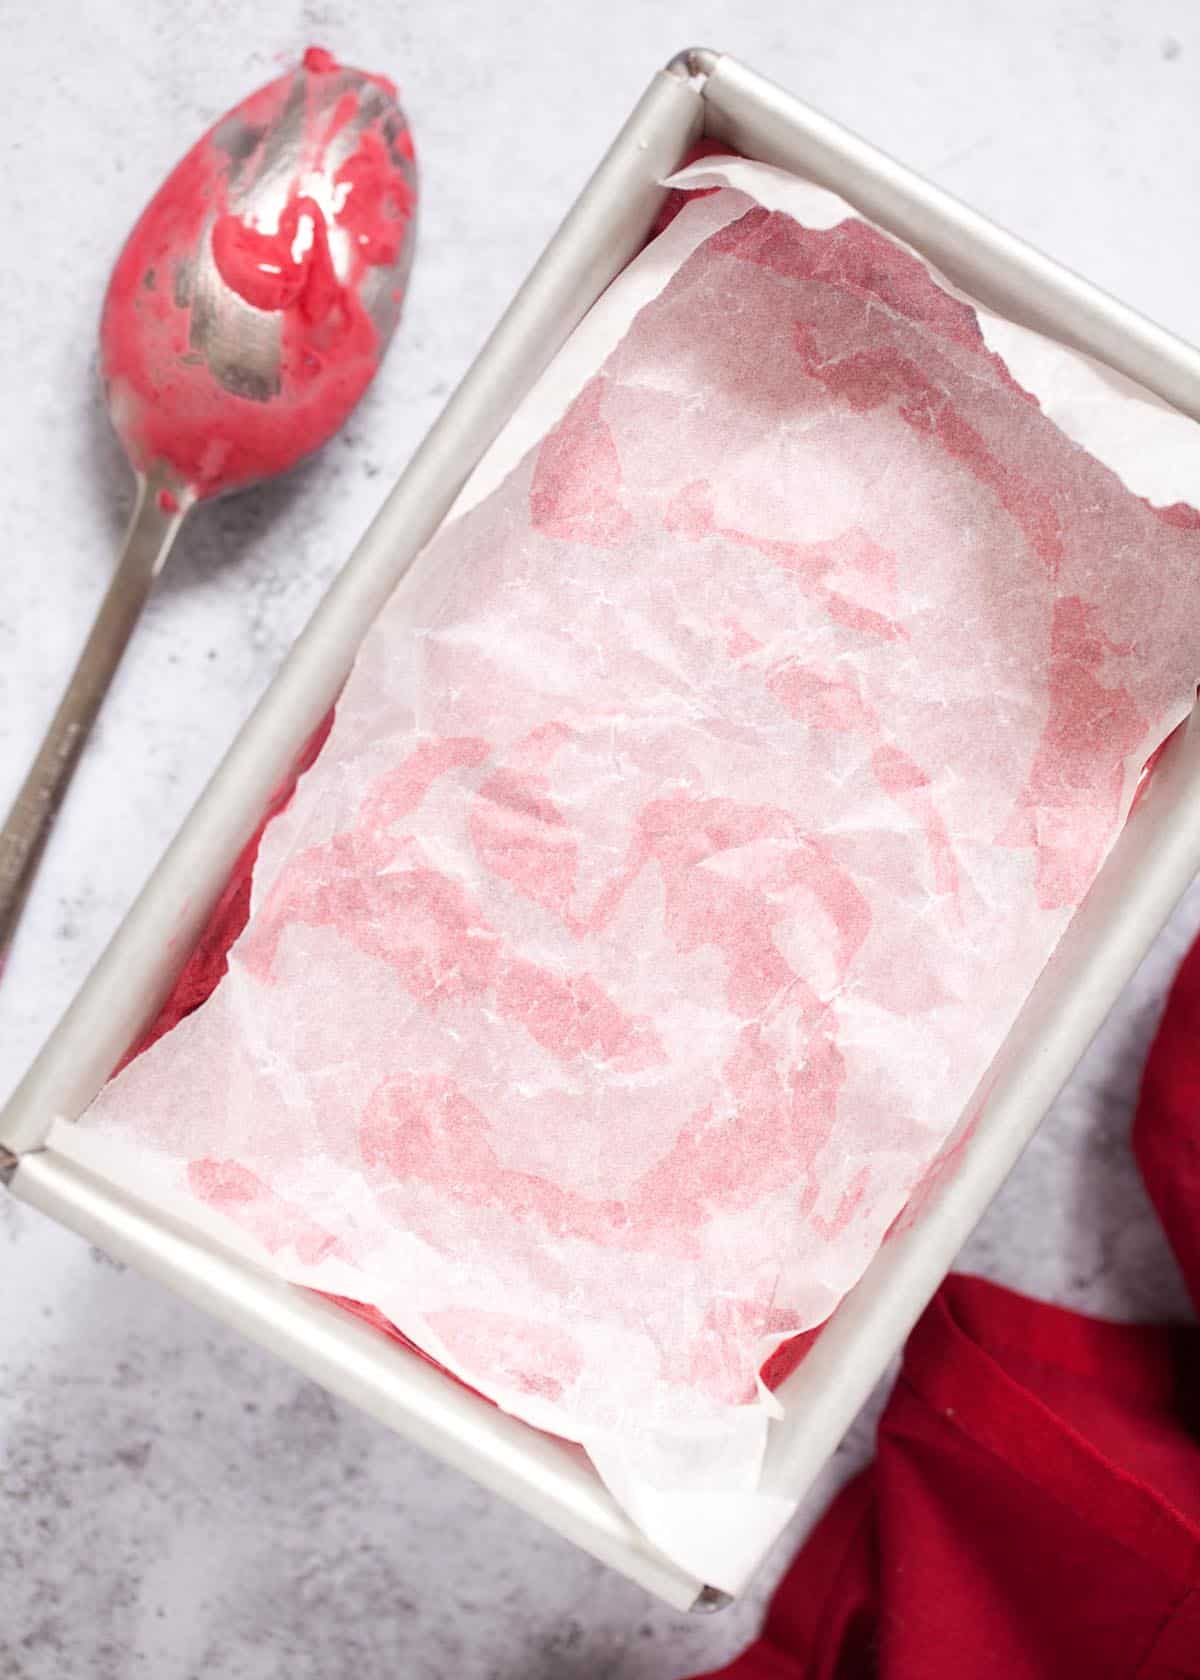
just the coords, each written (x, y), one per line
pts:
(700, 94)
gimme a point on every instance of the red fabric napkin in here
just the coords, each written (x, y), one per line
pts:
(1033, 1512)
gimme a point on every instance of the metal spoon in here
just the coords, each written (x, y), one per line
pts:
(244, 318)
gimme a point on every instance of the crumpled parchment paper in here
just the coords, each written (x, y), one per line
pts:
(696, 819)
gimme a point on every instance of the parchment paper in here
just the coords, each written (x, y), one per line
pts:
(697, 817)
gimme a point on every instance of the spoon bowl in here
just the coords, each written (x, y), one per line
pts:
(251, 304)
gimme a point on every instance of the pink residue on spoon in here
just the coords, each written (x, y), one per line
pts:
(169, 404)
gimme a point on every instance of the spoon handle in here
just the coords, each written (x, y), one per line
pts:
(157, 516)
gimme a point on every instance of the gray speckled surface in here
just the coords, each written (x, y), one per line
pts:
(174, 1503)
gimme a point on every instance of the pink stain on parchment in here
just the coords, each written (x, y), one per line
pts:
(230, 1188)
(1063, 811)
(848, 1204)
(682, 837)
(739, 643)
(759, 884)
(839, 572)
(380, 892)
(859, 261)
(535, 1358)
(520, 834)
(770, 1139)
(397, 794)
(909, 785)
(823, 698)
(427, 1131)
(576, 490)
(773, 1127)
(885, 377)
(833, 700)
